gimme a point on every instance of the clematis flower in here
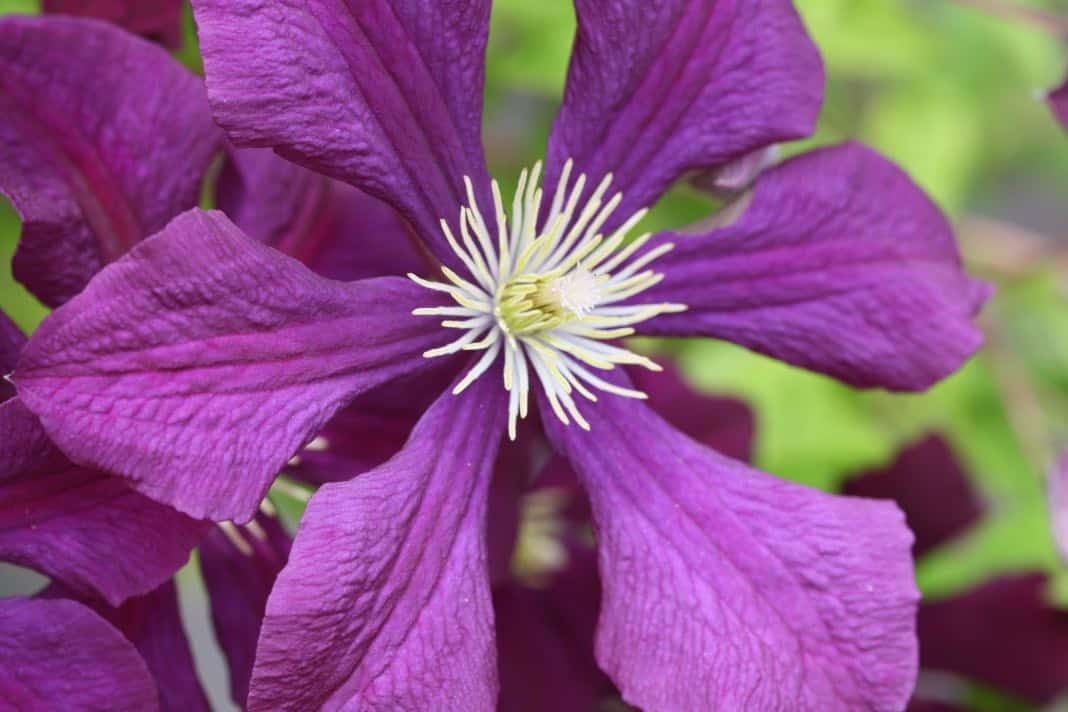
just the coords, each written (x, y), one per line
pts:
(202, 361)
(157, 20)
(1003, 632)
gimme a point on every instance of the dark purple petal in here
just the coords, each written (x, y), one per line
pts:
(657, 89)
(383, 94)
(201, 361)
(105, 138)
(385, 601)
(336, 230)
(927, 483)
(59, 655)
(1003, 634)
(1058, 103)
(726, 588)
(840, 264)
(724, 424)
(80, 526)
(11, 342)
(153, 623)
(239, 565)
(923, 705)
(157, 20)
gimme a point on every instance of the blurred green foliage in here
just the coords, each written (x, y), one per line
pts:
(954, 96)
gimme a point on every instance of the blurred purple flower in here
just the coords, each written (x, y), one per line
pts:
(200, 363)
(1058, 103)
(157, 20)
(1002, 633)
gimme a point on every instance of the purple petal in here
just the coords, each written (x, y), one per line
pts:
(927, 483)
(333, 228)
(57, 655)
(239, 566)
(385, 601)
(80, 526)
(724, 424)
(659, 89)
(200, 362)
(105, 138)
(840, 264)
(1057, 499)
(11, 342)
(384, 94)
(1058, 103)
(157, 20)
(153, 624)
(726, 588)
(1003, 634)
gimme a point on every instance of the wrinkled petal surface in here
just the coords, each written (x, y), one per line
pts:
(338, 231)
(1003, 634)
(239, 566)
(725, 588)
(57, 654)
(657, 89)
(385, 601)
(383, 94)
(11, 342)
(81, 526)
(105, 138)
(840, 264)
(929, 485)
(200, 362)
(157, 20)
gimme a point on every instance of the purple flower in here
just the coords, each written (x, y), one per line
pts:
(1002, 632)
(199, 363)
(1058, 103)
(158, 20)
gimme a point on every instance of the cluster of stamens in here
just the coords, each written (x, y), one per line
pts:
(550, 299)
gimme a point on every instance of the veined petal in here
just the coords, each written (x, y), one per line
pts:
(153, 623)
(929, 485)
(338, 231)
(239, 565)
(383, 94)
(198, 364)
(105, 138)
(385, 601)
(840, 264)
(60, 655)
(1002, 633)
(157, 20)
(726, 588)
(657, 89)
(80, 526)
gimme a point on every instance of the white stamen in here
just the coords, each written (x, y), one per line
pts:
(549, 300)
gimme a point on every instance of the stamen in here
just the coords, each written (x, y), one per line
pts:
(548, 299)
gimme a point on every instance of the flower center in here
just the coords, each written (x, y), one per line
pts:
(549, 298)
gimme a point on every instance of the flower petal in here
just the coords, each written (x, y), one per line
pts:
(1003, 634)
(105, 138)
(724, 424)
(11, 342)
(1058, 103)
(384, 94)
(1057, 503)
(80, 526)
(60, 655)
(200, 362)
(153, 624)
(927, 483)
(726, 588)
(338, 231)
(157, 20)
(385, 601)
(659, 89)
(239, 566)
(840, 264)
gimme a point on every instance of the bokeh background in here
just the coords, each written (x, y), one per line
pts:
(953, 92)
